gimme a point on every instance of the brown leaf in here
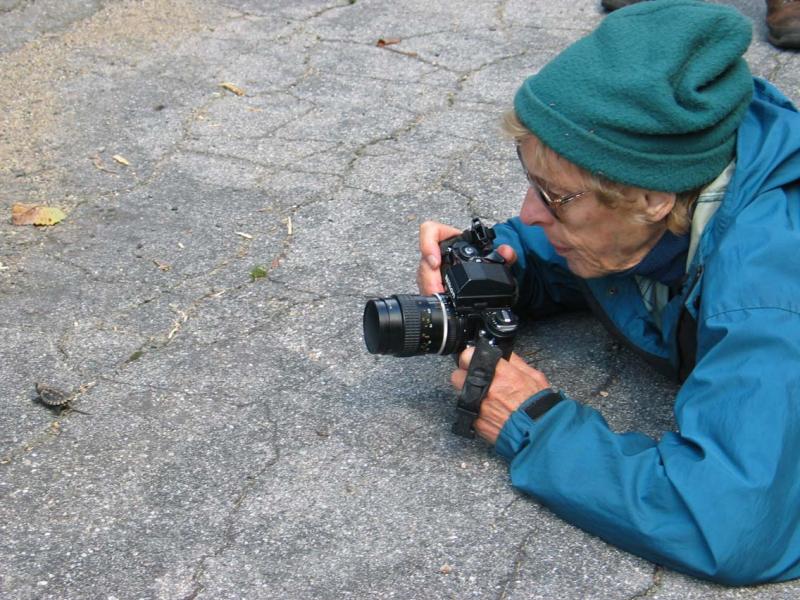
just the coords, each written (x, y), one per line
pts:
(98, 163)
(35, 214)
(121, 160)
(235, 89)
(387, 42)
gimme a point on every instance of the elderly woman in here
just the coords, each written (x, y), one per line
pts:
(665, 196)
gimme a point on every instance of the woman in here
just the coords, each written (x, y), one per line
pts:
(665, 195)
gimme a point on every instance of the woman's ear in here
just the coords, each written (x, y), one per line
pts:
(658, 205)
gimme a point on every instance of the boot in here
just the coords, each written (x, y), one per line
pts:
(783, 23)
(610, 5)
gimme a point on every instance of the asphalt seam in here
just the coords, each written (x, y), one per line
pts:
(654, 587)
(519, 558)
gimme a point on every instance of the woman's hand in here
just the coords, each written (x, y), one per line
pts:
(431, 234)
(514, 382)
(429, 278)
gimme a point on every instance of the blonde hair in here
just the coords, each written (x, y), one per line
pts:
(544, 159)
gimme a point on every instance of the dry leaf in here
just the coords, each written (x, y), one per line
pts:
(98, 163)
(387, 42)
(232, 88)
(121, 160)
(445, 569)
(35, 214)
(162, 265)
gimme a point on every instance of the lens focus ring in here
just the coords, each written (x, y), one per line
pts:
(411, 322)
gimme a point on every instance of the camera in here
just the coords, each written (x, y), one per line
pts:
(481, 292)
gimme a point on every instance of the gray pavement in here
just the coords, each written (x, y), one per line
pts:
(236, 439)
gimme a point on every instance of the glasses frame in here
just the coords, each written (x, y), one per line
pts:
(553, 204)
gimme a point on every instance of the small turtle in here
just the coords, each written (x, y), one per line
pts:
(53, 397)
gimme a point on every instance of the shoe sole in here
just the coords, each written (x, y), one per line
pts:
(611, 5)
(789, 40)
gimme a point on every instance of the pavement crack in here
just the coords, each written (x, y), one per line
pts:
(655, 585)
(519, 559)
(316, 296)
(393, 136)
(161, 340)
(500, 13)
(613, 370)
(327, 9)
(466, 75)
(52, 431)
(15, 6)
(517, 498)
(229, 535)
(779, 64)
(472, 202)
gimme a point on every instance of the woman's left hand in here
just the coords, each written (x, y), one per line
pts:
(514, 382)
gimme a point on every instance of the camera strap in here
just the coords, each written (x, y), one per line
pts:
(479, 378)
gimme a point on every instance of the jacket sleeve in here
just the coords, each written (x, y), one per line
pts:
(721, 498)
(545, 284)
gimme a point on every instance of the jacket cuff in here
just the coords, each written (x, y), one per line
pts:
(514, 434)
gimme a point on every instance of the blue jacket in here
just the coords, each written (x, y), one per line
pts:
(720, 498)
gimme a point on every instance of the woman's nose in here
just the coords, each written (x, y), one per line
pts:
(533, 211)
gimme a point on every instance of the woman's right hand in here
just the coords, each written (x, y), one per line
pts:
(431, 234)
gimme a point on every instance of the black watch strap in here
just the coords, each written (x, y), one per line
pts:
(543, 404)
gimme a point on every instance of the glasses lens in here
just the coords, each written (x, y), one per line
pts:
(537, 187)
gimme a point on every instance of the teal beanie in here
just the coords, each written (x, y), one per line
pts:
(652, 98)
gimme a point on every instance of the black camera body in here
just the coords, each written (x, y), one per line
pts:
(477, 304)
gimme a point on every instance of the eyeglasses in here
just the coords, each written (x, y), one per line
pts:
(552, 204)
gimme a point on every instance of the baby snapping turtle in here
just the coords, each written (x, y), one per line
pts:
(55, 398)
(52, 396)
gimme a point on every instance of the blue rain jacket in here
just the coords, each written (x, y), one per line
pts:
(719, 498)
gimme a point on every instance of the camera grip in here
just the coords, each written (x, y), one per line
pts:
(479, 378)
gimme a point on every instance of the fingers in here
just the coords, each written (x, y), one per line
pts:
(457, 378)
(514, 382)
(514, 361)
(517, 361)
(465, 358)
(431, 233)
(487, 430)
(429, 280)
(507, 252)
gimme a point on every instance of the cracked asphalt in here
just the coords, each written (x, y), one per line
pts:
(203, 302)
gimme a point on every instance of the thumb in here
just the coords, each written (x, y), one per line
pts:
(507, 252)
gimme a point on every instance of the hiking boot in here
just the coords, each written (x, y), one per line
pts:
(783, 23)
(610, 5)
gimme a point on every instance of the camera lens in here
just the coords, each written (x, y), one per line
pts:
(406, 325)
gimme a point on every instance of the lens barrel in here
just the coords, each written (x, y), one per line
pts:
(408, 325)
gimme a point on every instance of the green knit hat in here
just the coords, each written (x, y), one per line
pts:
(652, 98)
